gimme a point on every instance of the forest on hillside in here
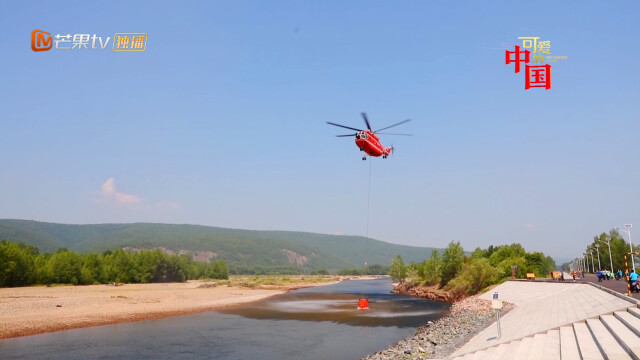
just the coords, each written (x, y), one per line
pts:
(23, 265)
(245, 251)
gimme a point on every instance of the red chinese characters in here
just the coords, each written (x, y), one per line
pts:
(517, 60)
(536, 76)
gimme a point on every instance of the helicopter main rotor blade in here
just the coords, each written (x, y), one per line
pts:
(342, 126)
(394, 134)
(400, 123)
(347, 135)
(366, 121)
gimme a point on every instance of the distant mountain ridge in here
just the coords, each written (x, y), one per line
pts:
(253, 248)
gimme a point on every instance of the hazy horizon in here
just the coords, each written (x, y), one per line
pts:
(558, 263)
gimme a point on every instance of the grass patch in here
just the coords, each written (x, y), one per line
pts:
(254, 281)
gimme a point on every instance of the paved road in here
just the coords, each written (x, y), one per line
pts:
(612, 284)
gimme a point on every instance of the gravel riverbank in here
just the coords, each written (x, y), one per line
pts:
(437, 340)
(39, 309)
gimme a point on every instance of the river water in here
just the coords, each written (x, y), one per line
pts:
(313, 323)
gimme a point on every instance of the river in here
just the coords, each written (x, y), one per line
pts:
(313, 323)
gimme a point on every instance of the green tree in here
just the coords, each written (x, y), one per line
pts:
(619, 248)
(451, 262)
(43, 272)
(91, 271)
(491, 249)
(177, 268)
(66, 267)
(350, 271)
(506, 251)
(539, 264)
(118, 267)
(220, 270)
(397, 270)
(548, 265)
(147, 264)
(432, 269)
(476, 274)
(16, 265)
(412, 276)
(376, 269)
(504, 267)
(479, 253)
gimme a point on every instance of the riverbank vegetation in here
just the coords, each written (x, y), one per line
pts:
(451, 271)
(23, 265)
(265, 281)
(375, 269)
(462, 275)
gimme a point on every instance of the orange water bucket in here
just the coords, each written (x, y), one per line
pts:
(363, 304)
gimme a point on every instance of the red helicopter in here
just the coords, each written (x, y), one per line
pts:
(368, 141)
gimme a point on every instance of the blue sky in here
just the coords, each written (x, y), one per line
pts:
(221, 120)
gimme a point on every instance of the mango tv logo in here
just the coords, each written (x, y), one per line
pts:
(41, 40)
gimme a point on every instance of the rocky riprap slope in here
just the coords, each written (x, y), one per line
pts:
(427, 292)
(437, 340)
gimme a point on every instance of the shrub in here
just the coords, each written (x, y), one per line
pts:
(397, 270)
(452, 260)
(476, 274)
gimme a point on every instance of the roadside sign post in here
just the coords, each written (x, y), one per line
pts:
(497, 304)
(627, 273)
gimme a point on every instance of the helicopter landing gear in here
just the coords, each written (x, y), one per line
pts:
(364, 158)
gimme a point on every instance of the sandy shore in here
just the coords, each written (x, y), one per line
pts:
(34, 310)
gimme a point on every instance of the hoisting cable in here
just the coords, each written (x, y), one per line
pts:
(366, 240)
(363, 302)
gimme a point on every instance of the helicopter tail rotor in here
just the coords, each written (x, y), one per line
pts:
(388, 151)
